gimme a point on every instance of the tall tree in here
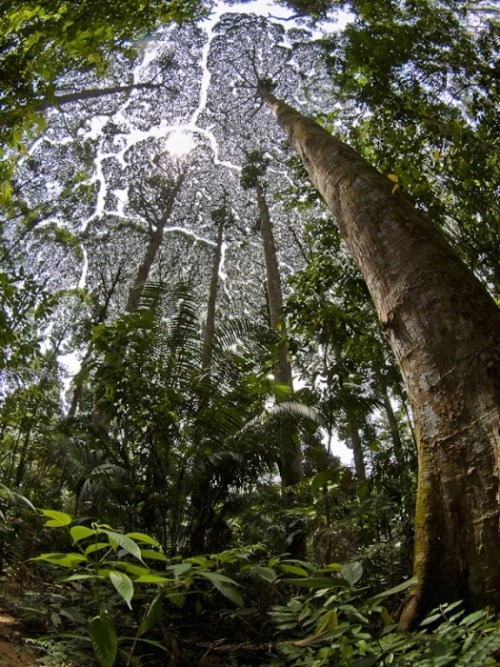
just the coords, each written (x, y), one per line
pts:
(290, 454)
(444, 330)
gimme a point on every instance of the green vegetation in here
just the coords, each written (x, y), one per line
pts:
(225, 400)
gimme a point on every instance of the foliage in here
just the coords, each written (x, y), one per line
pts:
(323, 615)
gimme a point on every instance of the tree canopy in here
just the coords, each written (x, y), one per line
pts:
(194, 348)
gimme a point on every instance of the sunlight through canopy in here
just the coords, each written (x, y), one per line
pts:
(180, 142)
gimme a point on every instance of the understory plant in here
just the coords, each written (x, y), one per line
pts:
(320, 616)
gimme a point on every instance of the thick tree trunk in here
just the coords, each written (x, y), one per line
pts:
(290, 453)
(444, 330)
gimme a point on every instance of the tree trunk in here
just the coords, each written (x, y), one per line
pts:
(357, 449)
(444, 330)
(209, 333)
(155, 241)
(290, 452)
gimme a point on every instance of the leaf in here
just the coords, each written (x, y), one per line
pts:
(180, 569)
(293, 569)
(153, 614)
(124, 542)
(265, 573)
(79, 577)
(123, 585)
(225, 586)
(56, 519)
(393, 178)
(330, 621)
(316, 582)
(81, 533)
(98, 546)
(311, 639)
(177, 598)
(155, 555)
(63, 560)
(152, 579)
(392, 591)
(102, 633)
(352, 572)
(141, 537)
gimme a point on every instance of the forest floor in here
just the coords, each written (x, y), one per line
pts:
(22, 629)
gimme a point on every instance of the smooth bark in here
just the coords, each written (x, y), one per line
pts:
(444, 330)
(290, 452)
(154, 244)
(291, 461)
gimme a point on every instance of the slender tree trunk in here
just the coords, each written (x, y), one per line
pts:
(357, 449)
(209, 333)
(290, 453)
(444, 330)
(154, 245)
(393, 425)
(201, 496)
(352, 422)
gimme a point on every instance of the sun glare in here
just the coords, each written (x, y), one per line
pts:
(180, 143)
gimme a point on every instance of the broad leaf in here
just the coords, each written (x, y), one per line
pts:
(123, 585)
(265, 573)
(56, 519)
(153, 614)
(154, 555)
(117, 539)
(316, 582)
(81, 533)
(141, 537)
(352, 572)
(64, 560)
(103, 637)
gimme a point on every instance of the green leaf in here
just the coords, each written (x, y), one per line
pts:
(329, 621)
(352, 572)
(56, 519)
(130, 568)
(123, 585)
(392, 591)
(152, 579)
(98, 546)
(153, 614)
(81, 533)
(316, 582)
(265, 573)
(103, 637)
(180, 569)
(118, 539)
(177, 598)
(79, 577)
(293, 569)
(216, 577)
(154, 555)
(63, 560)
(141, 537)
(225, 586)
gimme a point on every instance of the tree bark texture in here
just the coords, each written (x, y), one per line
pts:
(444, 330)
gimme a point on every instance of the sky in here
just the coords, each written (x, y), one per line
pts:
(181, 138)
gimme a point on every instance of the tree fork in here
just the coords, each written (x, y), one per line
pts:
(444, 329)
